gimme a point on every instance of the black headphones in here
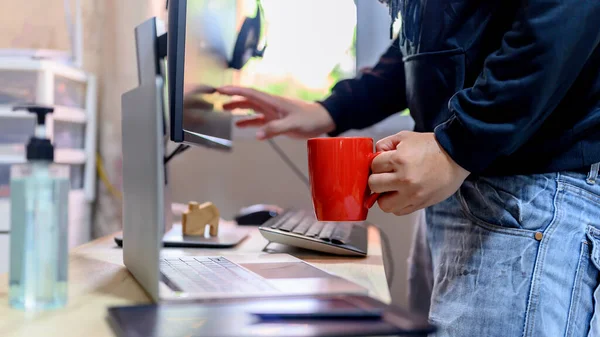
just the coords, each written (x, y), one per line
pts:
(246, 45)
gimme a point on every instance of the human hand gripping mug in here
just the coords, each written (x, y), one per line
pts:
(339, 170)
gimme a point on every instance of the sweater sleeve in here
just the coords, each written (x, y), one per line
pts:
(367, 99)
(522, 82)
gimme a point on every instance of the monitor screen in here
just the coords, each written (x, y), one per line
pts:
(303, 61)
(311, 47)
(202, 35)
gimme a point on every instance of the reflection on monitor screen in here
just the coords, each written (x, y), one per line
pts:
(209, 41)
(202, 35)
(311, 47)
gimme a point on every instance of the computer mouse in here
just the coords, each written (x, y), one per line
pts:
(257, 215)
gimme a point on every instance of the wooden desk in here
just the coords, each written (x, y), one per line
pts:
(98, 279)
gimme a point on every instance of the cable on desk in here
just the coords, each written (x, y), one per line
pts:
(105, 180)
(180, 149)
(289, 163)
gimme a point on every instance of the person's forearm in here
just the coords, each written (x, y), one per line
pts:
(367, 99)
(522, 82)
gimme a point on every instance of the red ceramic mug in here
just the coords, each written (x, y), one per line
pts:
(339, 170)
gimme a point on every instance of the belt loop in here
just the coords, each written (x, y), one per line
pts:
(593, 175)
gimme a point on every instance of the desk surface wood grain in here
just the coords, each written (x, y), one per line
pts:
(98, 279)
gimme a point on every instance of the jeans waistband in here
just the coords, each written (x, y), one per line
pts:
(592, 172)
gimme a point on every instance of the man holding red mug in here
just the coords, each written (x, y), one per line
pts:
(505, 157)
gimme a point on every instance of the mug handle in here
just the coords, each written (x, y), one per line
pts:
(371, 199)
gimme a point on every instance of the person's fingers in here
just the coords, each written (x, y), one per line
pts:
(251, 122)
(383, 162)
(274, 128)
(254, 105)
(383, 182)
(240, 104)
(252, 94)
(202, 89)
(230, 90)
(390, 143)
(393, 202)
(413, 206)
(408, 210)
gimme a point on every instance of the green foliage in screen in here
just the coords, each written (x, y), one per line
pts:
(290, 89)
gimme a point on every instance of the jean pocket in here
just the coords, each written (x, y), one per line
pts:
(432, 78)
(585, 294)
(515, 204)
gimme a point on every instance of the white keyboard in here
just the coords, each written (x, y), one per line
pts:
(210, 274)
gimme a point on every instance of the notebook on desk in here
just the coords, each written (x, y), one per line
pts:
(257, 317)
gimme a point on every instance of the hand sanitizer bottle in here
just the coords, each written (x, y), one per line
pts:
(39, 199)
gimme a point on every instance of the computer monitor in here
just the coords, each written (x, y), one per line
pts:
(204, 50)
(199, 33)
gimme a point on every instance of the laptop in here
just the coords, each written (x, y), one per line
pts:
(174, 274)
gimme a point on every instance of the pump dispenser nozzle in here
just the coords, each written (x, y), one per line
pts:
(40, 110)
(39, 147)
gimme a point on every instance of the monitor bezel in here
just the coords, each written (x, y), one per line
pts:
(175, 66)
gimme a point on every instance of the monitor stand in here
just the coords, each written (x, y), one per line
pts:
(173, 238)
(228, 237)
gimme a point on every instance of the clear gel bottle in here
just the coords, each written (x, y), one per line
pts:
(39, 193)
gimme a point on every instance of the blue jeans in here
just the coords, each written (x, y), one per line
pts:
(512, 256)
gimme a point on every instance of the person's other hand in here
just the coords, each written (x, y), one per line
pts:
(279, 115)
(413, 172)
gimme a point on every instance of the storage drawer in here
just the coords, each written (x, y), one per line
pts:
(68, 135)
(21, 86)
(4, 215)
(18, 86)
(68, 92)
(16, 128)
(4, 180)
(4, 253)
